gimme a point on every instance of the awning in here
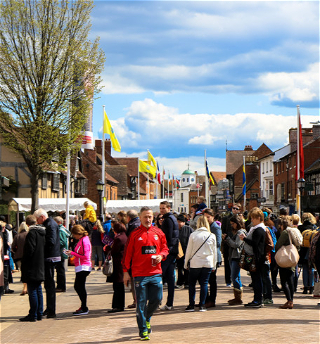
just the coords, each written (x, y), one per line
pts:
(49, 204)
(114, 206)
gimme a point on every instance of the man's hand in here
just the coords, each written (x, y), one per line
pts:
(158, 259)
(126, 278)
(242, 236)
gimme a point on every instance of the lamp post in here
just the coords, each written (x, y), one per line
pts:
(300, 184)
(100, 187)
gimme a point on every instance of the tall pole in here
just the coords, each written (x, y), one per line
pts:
(244, 190)
(206, 175)
(103, 170)
(298, 162)
(138, 181)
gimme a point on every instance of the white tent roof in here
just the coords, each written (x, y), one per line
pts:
(117, 205)
(49, 204)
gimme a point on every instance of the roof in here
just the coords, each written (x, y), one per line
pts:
(120, 173)
(234, 159)
(188, 172)
(131, 163)
(217, 176)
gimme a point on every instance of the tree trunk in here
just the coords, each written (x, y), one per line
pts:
(34, 192)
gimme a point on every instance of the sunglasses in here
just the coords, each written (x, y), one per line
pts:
(235, 208)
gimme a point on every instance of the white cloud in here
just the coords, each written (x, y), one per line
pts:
(206, 139)
(298, 87)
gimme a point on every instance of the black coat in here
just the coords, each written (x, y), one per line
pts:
(32, 265)
(170, 228)
(258, 244)
(132, 225)
(117, 255)
(52, 246)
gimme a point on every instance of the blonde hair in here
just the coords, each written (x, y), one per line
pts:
(23, 227)
(309, 217)
(79, 230)
(58, 219)
(256, 213)
(99, 226)
(203, 222)
(295, 219)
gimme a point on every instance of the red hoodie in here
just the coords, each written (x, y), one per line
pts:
(141, 245)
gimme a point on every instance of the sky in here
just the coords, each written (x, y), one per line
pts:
(185, 77)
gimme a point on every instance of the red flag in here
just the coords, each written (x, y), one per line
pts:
(159, 177)
(300, 155)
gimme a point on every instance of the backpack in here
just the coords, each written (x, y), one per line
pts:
(308, 236)
(269, 245)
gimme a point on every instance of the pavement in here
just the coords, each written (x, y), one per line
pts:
(222, 324)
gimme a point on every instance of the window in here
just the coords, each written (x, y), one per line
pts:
(282, 191)
(181, 197)
(270, 188)
(267, 167)
(81, 187)
(187, 180)
(55, 182)
(183, 179)
(262, 167)
(44, 181)
(192, 180)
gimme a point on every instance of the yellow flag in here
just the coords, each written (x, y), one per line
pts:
(152, 159)
(145, 167)
(107, 129)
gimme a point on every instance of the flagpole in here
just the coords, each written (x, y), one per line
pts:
(168, 188)
(163, 196)
(245, 192)
(103, 170)
(138, 181)
(206, 175)
(298, 161)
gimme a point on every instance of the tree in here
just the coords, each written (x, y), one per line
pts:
(49, 76)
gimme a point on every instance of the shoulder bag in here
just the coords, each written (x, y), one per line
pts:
(287, 256)
(247, 261)
(188, 264)
(107, 268)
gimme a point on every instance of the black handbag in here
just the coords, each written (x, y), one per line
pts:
(107, 268)
(247, 261)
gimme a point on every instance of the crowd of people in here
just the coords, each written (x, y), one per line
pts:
(149, 251)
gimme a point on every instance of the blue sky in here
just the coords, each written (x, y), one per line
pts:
(182, 77)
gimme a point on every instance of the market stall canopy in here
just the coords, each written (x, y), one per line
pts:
(49, 204)
(114, 206)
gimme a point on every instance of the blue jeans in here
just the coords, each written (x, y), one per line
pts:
(168, 267)
(202, 275)
(235, 274)
(307, 276)
(148, 288)
(35, 299)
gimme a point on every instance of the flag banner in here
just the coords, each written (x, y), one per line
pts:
(300, 154)
(178, 183)
(209, 174)
(87, 140)
(107, 129)
(145, 167)
(152, 159)
(159, 177)
(244, 183)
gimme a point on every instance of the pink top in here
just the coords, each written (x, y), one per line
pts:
(82, 254)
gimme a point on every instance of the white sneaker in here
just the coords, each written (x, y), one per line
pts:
(166, 308)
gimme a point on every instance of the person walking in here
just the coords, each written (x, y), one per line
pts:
(201, 254)
(216, 230)
(82, 263)
(64, 235)
(170, 228)
(17, 248)
(33, 268)
(254, 244)
(146, 248)
(227, 229)
(52, 256)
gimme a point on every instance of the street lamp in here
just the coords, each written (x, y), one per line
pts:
(100, 187)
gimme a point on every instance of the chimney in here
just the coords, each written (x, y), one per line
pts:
(107, 147)
(98, 145)
(248, 148)
(92, 154)
(316, 131)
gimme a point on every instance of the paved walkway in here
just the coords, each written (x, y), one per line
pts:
(223, 324)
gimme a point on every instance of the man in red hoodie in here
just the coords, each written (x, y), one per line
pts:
(146, 248)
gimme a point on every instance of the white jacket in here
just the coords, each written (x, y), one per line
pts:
(206, 257)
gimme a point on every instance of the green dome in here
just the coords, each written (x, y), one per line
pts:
(188, 172)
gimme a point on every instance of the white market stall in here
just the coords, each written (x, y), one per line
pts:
(48, 204)
(114, 206)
